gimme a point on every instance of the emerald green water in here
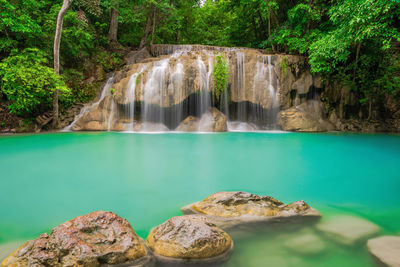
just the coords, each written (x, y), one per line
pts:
(48, 179)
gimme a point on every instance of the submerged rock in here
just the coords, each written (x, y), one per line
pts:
(189, 239)
(232, 208)
(386, 250)
(213, 121)
(306, 117)
(348, 230)
(307, 243)
(99, 238)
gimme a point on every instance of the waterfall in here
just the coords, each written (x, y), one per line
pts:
(154, 90)
(177, 85)
(241, 79)
(204, 81)
(87, 108)
(130, 99)
(111, 116)
(273, 95)
(160, 93)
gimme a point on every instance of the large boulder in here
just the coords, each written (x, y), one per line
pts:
(99, 238)
(386, 250)
(213, 121)
(348, 229)
(307, 117)
(228, 209)
(189, 239)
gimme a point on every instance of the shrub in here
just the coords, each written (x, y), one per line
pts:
(220, 74)
(28, 83)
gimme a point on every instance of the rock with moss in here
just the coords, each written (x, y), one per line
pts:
(97, 239)
(229, 209)
(189, 239)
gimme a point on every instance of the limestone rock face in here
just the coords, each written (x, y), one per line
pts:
(348, 230)
(94, 117)
(189, 237)
(179, 73)
(213, 121)
(386, 250)
(90, 240)
(229, 209)
(306, 117)
(190, 124)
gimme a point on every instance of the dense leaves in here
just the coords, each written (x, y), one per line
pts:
(220, 75)
(347, 40)
(28, 82)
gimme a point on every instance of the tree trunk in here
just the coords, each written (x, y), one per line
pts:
(147, 29)
(57, 40)
(154, 27)
(369, 108)
(269, 28)
(356, 63)
(113, 31)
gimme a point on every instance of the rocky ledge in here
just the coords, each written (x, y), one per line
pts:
(189, 239)
(97, 239)
(229, 209)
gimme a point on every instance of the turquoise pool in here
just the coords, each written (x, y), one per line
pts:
(145, 178)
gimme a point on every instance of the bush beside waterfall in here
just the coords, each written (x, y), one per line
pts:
(220, 75)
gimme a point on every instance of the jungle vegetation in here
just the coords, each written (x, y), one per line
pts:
(353, 41)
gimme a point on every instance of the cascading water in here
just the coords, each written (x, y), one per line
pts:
(154, 92)
(204, 79)
(164, 92)
(177, 85)
(240, 86)
(87, 108)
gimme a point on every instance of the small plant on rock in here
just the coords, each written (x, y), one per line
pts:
(220, 74)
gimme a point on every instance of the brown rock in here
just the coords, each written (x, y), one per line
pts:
(306, 117)
(189, 237)
(99, 238)
(190, 124)
(231, 208)
(213, 121)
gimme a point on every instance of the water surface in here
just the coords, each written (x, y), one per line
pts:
(48, 179)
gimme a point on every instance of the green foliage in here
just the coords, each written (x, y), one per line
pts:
(220, 75)
(112, 91)
(328, 32)
(16, 25)
(28, 83)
